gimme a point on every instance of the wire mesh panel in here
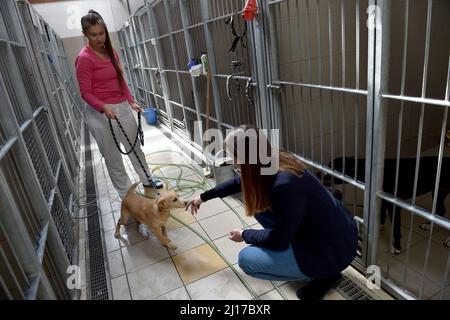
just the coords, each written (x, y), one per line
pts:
(37, 160)
(3, 32)
(3, 137)
(12, 83)
(135, 64)
(124, 59)
(64, 188)
(54, 277)
(18, 189)
(24, 64)
(48, 141)
(13, 278)
(63, 224)
(9, 16)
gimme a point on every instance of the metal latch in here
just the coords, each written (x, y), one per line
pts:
(274, 87)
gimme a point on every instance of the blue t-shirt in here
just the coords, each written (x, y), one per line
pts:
(323, 234)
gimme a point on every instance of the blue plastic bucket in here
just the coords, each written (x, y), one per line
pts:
(151, 115)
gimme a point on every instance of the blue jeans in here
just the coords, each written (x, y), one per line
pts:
(267, 264)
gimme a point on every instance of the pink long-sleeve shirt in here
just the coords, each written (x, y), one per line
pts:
(98, 81)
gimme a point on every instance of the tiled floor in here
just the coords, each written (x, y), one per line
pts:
(139, 267)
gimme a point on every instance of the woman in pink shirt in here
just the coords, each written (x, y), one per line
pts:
(104, 89)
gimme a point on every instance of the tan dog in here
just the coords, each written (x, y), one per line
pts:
(152, 212)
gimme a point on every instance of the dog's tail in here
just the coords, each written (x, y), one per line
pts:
(133, 187)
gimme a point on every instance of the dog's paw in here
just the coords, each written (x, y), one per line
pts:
(117, 235)
(172, 247)
(447, 242)
(395, 250)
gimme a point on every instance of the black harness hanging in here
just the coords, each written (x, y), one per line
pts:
(237, 36)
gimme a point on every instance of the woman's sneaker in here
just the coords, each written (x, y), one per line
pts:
(151, 189)
(316, 289)
(155, 184)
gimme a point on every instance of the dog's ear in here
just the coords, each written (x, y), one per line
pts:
(161, 203)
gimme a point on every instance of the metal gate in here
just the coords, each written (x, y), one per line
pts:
(162, 37)
(339, 79)
(39, 151)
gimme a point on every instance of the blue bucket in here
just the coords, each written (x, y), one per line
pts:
(151, 115)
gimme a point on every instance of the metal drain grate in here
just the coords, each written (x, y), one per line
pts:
(352, 290)
(97, 273)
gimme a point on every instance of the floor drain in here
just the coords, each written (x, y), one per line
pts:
(97, 273)
(352, 290)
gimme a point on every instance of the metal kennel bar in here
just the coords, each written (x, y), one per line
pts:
(416, 104)
(39, 141)
(185, 33)
(341, 81)
(313, 84)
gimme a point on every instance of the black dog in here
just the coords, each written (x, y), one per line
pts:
(426, 183)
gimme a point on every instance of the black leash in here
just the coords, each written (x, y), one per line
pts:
(140, 137)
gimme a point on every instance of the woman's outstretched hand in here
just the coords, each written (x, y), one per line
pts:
(193, 205)
(136, 107)
(236, 235)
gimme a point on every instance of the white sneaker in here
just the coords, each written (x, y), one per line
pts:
(143, 229)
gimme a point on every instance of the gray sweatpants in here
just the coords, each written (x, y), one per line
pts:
(99, 128)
